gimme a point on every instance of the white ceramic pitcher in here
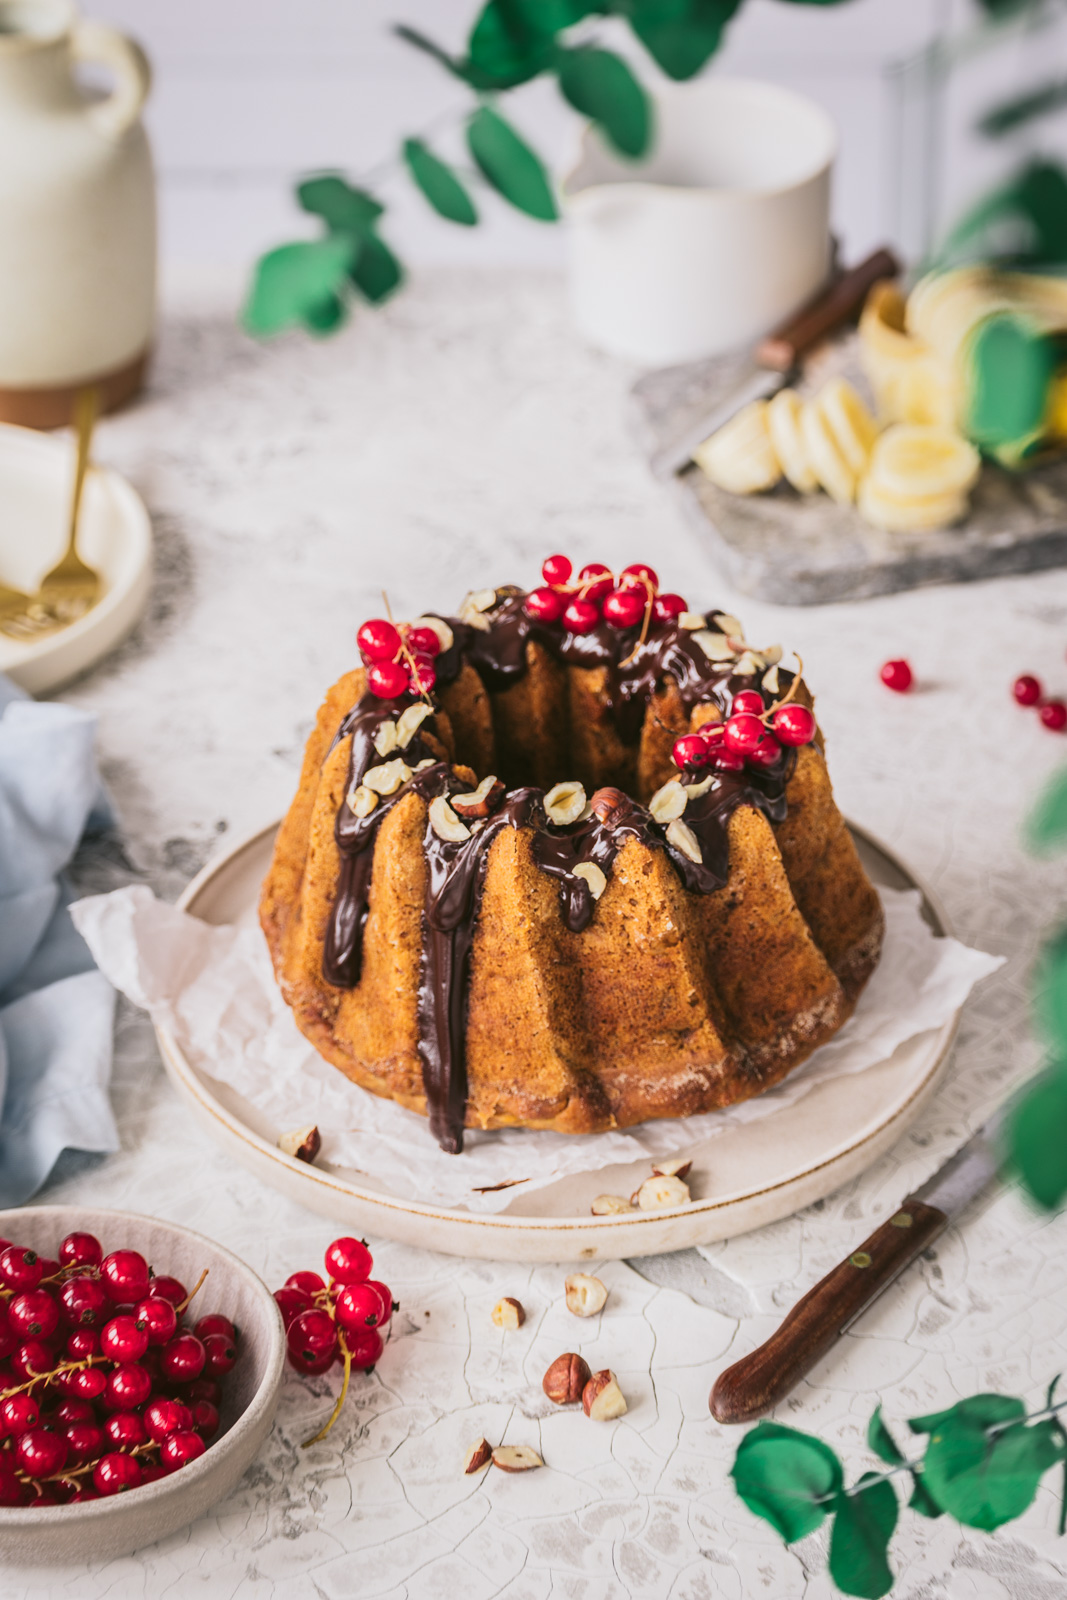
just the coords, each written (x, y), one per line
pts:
(715, 236)
(77, 215)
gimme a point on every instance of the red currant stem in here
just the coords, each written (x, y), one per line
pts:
(46, 1377)
(195, 1290)
(67, 1473)
(651, 594)
(336, 1412)
(789, 694)
(405, 652)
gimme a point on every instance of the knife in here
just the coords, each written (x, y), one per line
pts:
(778, 355)
(756, 1383)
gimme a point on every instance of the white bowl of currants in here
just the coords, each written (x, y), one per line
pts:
(140, 1369)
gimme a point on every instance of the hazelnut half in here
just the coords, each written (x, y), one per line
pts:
(516, 1458)
(593, 876)
(610, 1205)
(671, 1169)
(668, 802)
(656, 1194)
(585, 1295)
(303, 1143)
(478, 1456)
(566, 1378)
(564, 802)
(481, 802)
(602, 1399)
(508, 1313)
(445, 823)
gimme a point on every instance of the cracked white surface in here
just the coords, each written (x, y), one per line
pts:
(460, 436)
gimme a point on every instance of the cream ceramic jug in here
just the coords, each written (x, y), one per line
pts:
(77, 215)
(717, 235)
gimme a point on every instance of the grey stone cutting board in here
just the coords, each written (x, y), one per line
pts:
(801, 550)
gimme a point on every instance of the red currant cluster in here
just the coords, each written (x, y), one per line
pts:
(751, 734)
(336, 1324)
(102, 1387)
(1028, 692)
(580, 603)
(398, 659)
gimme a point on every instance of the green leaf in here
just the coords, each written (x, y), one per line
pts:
(985, 1478)
(881, 1441)
(376, 271)
(600, 85)
(342, 208)
(1021, 109)
(508, 163)
(863, 1526)
(439, 184)
(1050, 994)
(681, 40)
(1046, 826)
(981, 1408)
(1037, 1138)
(785, 1476)
(299, 283)
(513, 40)
(922, 1500)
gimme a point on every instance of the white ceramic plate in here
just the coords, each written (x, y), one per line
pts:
(114, 536)
(753, 1174)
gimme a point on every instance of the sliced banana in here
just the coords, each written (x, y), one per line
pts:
(783, 425)
(911, 461)
(740, 457)
(853, 428)
(830, 466)
(907, 514)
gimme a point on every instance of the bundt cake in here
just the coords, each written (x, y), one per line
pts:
(567, 860)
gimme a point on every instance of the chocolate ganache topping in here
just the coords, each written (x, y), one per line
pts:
(456, 868)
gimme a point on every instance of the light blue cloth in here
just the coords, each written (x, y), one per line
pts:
(56, 1009)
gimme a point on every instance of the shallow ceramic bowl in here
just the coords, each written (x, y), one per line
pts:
(98, 1529)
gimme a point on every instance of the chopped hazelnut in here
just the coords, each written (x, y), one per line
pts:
(516, 1458)
(481, 802)
(656, 1194)
(445, 823)
(566, 1378)
(478, 1456)
(585, 1294)
(671, 1169)
(508, 1313)
(610, 1205)
(593, 876)
(602, 1399)
(303, 1143)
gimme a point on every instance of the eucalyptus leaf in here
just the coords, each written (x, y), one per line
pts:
(513, 40)
(864, 1521)
(1037, 1138)
(985, 1479)
(922, 1500)
(786, 1477)
(507, 162)
(300, 283)
(439, 184)
(600, 85)
(1050, 994)
(1021, 109)
(343, 208)
(1046, 826)
(981, 1408)
(376, 272)
(681, 40)
(881, 1441)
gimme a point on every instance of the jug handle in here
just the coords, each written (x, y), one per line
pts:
(96, 42)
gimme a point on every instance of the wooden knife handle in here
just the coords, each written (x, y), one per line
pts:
(759, 1381)
(841, 299)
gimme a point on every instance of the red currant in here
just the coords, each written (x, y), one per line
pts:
(32, 1359)
(13, 1492)
(291, 1302)
(895, 675)
(122, 1339)
(41, 1452)
(423, 641)
(312, 1338)
(581, 616)
(220, 1355)
(712, 732)
(87, 1384)
(665, 607)
(85, 1302)
(385, 1295)
(68, 1411)
(766, 752)
(423, 675)
(365, 1347)
(8, 1337)
(164, 1417)
(596, 581)
(158, 1318)
(308, 1283)
(1053, 714)
(387, 679)
(81, 1250)
(18, 1413)
(84, 1493)
(205, 1418)
(127, 1387)
(183, 1359)
(556, 569)
(124, 1274)
(215, 1322)
(83, 1342)
(358, 1306)
(167, 1288)
(203, 1389)
(348, 1261)
(743, 733)
(640, 575)
(1027, 690)
(126, 1430)
(726, 760)
(794, 724)
(624, 608)
(378, 640)
(19, 1269)
(33, 1315)
(115, 1473)
(544, 605)
(748, 700)
(49, 1268)
(178, 1449)
(690, 751)
(85, 1441)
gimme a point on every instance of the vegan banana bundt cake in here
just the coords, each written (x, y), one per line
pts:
(568, 860)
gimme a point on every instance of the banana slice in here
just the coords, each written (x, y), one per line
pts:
(740, 456)
(908, 513)
(910, 461)
(783, 424)
(853, 427)
(829, 465)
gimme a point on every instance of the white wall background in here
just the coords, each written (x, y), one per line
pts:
(250, 93)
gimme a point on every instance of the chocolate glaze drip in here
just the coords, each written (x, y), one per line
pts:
(456, 869)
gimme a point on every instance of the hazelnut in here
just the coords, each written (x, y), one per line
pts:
(564, 803)
(684, 840)
(481, 802)
(691, 620)
(516, 1458)
(610, 806)
(671, 1169)
(478, 1456)
(409, 722)
(693, 791)
(728, 624)
(385, 739)
(445, 823)
(716, 646)
(565, 1379)
(303, 1143)
(668, 802)
(593, 877)
(585, 1295)
(473, 607)
(361, 800)
(508, 1313)
(610, 1205)
(770, 680)
(748, 664)
(656, 1194)
(772, 654)
(387, 778)
(602, 1399)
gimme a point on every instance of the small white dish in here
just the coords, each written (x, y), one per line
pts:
(114, 536)
(97, 1530)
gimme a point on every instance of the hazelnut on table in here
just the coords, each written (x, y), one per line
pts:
(585, 1294)
(508, 1313)
(566, 1379)
(602, 1399)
